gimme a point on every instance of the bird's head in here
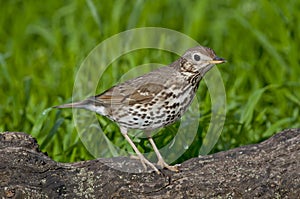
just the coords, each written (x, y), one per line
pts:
(199, 60)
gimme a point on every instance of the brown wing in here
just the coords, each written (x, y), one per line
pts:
(144, 93)
(127, 94)
(139, 90)
(111, 96)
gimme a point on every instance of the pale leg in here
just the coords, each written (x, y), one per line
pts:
(138, 153)
(161, 161)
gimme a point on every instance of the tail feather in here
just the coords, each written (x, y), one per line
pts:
(80, 104)
(89, 104)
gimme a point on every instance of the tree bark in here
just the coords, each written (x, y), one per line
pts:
(270, 169)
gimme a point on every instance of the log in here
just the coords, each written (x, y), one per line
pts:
(270, 169)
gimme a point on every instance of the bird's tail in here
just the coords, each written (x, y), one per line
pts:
(80, 104)
(88, 104)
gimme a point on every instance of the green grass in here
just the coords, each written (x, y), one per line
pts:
(42, 45)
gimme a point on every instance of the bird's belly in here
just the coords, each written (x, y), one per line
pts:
(155, 114)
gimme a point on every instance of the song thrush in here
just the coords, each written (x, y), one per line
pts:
(155, 99)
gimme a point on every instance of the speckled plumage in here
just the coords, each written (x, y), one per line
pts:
(155, 99)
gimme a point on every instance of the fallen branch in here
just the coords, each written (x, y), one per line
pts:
(270, 169)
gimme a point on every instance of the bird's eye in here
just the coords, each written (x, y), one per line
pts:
(197, 57)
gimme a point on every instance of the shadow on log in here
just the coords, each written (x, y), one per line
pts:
(270, 169)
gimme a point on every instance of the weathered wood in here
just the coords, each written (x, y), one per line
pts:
(270, 169)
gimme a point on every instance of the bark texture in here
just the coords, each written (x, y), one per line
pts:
(270, 169)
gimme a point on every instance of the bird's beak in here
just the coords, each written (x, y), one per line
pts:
(217, 60)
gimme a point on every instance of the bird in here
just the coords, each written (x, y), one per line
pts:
(153, 100)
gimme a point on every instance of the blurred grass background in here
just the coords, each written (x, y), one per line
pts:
(42, 45)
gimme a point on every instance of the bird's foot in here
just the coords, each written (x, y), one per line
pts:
(163, 164)
(145, 162)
